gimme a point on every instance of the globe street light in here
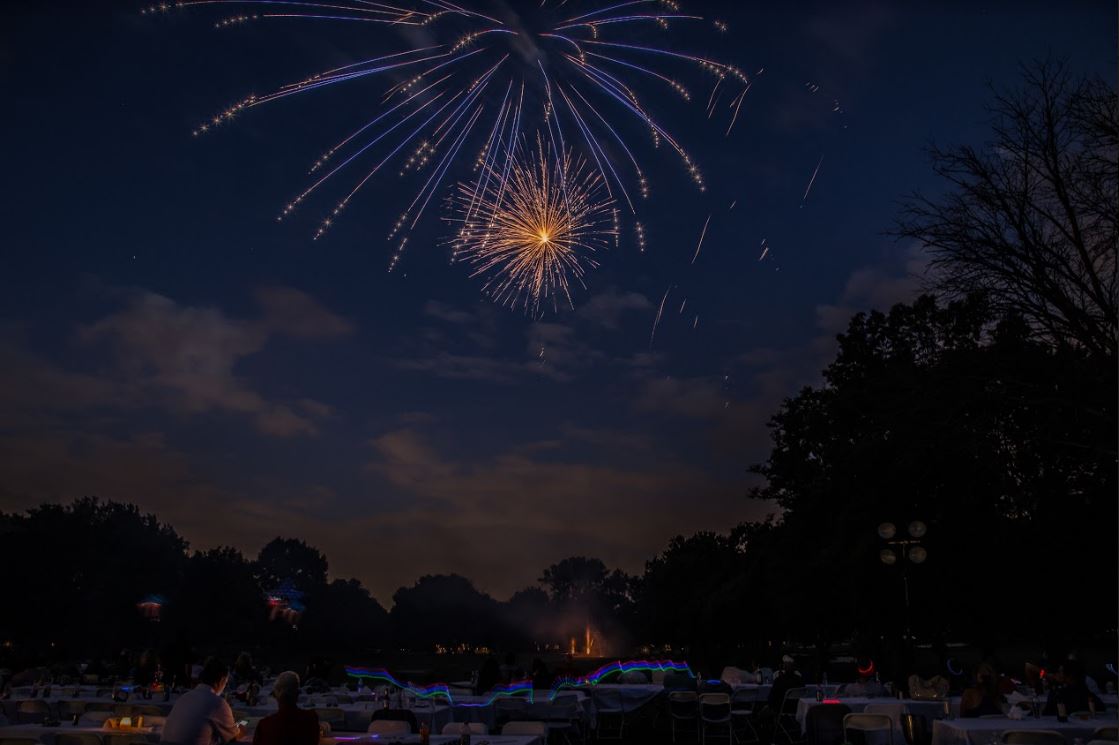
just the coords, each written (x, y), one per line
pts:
(907, 550)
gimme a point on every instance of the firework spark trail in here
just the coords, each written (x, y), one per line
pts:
(737, 105)
(657, 320)
(812, 180)
(532, 233)
(701, 237)
(765, 250)
(592, 72)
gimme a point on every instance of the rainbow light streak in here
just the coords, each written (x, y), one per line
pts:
(599, 675)
(516, 688)
(441, 690)
(435, 690)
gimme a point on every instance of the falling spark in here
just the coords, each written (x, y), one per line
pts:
(701, 237)
(657, 320)
(812, 180)
(732, 205)
(682, 306)
(765, 250)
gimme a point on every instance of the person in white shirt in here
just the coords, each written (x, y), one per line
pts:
(202, 717)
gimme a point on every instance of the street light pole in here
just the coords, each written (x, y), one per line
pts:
(911, 551)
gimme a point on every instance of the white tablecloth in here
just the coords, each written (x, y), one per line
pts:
(10, 706)
(47, 735)
(634, 695)
(987, 731)
(437, 713)
(435, 739)
(928, 709)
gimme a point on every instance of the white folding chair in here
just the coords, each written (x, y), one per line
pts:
(389, 727)
(1107, 732)
(867, 724)
(714, 714)
(892, 710)
(683, 708)
(787, 715)
(609, 704)
(525, 729)
(564, 717)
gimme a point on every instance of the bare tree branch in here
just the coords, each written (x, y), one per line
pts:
(1031, 218)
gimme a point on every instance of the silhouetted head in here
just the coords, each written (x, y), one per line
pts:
(215, 674)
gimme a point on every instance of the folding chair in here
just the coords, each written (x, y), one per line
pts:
(32, 711)
(742, 703)
(683, 708)
(786, 722)
(389, 728)
(915, 729)
(868, 723)
(1106, 733)
(563, 717)
(714, 713)
(609, 704)
(525, 729)
(823, 725)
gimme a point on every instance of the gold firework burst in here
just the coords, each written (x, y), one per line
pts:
(531, 225)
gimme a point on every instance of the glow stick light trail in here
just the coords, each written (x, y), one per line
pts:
(440, 690)
(620, 668)
(520, 687)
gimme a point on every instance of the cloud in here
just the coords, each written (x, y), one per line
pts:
(556, 349)
(876, 287)
(179, 358)
(448, 314)
(607, 308)
(296, 314)
(526, 506)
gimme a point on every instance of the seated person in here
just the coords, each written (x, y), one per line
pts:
(787, 679)
(290, 725)
(866, 685)
(983, 698)
(1070, 689)
(202, 717)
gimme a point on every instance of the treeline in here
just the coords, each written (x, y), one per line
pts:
(948, 414)
(92, 577)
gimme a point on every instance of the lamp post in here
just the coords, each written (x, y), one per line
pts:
(908, 550)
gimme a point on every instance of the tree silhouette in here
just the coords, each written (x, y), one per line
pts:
(1031, 219)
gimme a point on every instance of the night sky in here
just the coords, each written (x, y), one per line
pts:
(165, 341)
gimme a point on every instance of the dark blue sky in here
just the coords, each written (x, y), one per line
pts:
(163, 340)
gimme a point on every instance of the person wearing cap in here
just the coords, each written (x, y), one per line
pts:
(786, 680)
(290, 725)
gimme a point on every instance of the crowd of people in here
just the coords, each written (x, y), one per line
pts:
(208, 689)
